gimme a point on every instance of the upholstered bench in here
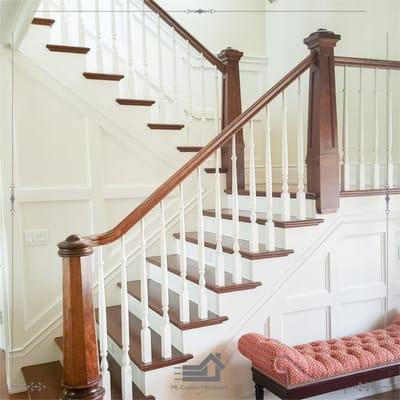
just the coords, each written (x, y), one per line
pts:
(323, 366)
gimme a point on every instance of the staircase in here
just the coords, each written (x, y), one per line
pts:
(180, 295)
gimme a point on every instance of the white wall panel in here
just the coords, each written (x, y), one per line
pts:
(367, 258)
(51, 138)
(315, 319)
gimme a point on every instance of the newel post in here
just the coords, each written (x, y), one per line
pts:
(81, 379)
(323, 154)
(231, 108)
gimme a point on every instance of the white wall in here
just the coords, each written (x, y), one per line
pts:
(244, 31)
(363, 34)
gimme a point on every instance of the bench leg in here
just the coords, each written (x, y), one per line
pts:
(259, 392)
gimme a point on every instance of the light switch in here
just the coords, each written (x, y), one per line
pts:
(36, 237)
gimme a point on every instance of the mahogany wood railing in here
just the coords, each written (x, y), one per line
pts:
(227, 62)
(180, 30)
(81, 370)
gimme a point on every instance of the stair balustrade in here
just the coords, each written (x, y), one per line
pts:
(83, 378)
(366, 166)
(157, 206)
(135, 38)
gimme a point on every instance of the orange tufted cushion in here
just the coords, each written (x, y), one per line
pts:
(304, 363)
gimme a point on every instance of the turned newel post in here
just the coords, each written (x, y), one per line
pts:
(323, 153)
(81, 379)
(231, 108)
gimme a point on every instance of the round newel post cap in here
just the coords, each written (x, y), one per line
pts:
(75, 246)
(322, 37)
(230, 54)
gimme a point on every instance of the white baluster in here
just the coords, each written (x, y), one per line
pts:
(189, 90)
(237, 258)
(126, 370)
(166, 351)
(161, 101)
(64, 23)
(189, 78)
(105, 373)
(145, 334)
(285, 195)
(269, 225)
(81, 24)
(184, 295)
(345, 130)
(174, 65)
(160, 56)
(300, 196)
(144, 53)
(390, 130)
(115, 53)
(202, 306)
(219, 255)
(253, 193)
(361, 170)
(46, 8)
(131, 70)
(376, 146)
(203, 98)
(99, 41)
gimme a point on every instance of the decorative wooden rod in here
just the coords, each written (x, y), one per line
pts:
(208, 55)
(173, 182)
(366, 63)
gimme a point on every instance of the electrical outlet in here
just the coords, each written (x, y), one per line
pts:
(36, 237)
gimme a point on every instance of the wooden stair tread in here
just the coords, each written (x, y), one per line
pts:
(189, 149)
(103, 77)
(166, 127)
(276, 193)
(43, 21)
(154, 290)
(212, 170)
(227, 246)
(43, 380)
(68, 49)
(135, 325)
(244, 216)
(368, 192)
(135, 102)
(59, 342)
(115, 372)
(174, 267)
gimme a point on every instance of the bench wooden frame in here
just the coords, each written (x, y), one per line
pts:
(322, 386)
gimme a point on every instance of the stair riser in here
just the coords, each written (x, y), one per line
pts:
(156, 323)
(152, 382)
(175, 284)
(210, 225)
(186, 341)
(210, 254)
(138, 376)
(245, 204)
(285, 238)
(36, 38)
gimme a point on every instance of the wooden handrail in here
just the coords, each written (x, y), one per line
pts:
(366, 63)
(179, 29)
(170, 184)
